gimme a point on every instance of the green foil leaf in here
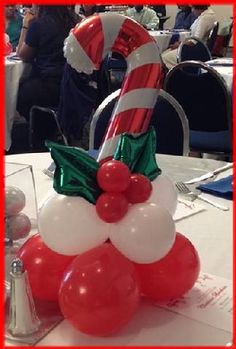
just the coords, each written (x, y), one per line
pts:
(75, 173)
(138, 153)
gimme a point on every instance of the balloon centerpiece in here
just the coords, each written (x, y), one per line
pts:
(107, 236)
(120, 188)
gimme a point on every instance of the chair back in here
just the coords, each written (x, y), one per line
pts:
(43, 125)
(78, 99)
(227, 40)
(228, 37)
(212, 36)
(168, 119)
(193, 48)
(203, 95)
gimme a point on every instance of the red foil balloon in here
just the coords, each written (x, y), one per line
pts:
(100, 291)
(111, 207)
(85, 49)
(173, 275)
(139, 189)
(45, 268)
(113, 176)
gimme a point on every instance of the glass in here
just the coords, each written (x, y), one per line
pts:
(20, 211)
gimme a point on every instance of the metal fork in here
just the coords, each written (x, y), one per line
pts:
(50, 170)
(183, 189)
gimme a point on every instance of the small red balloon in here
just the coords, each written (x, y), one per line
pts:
(111, 207)
(172, 276)
(45, 268)
(100, 291)
(113, 176)
(139, 189)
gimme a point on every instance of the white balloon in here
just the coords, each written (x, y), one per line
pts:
(164, 193)
(70, 225)
(145, 234)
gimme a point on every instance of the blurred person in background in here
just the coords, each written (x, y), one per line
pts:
(160, 10)
(201, 28)
(41, 43)
(204, 23)
(88, 10)
(144, 16)
(184, 18)
(80, 95)
(13, 24)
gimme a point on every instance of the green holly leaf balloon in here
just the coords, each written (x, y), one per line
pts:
(75, 172)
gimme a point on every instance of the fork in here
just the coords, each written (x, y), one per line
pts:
(182, 188)
(48, 173)
(50, 170)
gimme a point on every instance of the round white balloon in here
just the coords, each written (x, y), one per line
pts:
(145, 234)
(70, 225)
(164, 193)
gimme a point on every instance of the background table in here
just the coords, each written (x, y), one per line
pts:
(163, 37)
(211, 233)
(224, 66)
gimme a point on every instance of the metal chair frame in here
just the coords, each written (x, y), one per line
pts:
(31, 124)
(219, 79)
(163, 94)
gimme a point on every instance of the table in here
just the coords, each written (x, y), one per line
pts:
(14, 70)
(210, 231)
(224, 66)
(163, 37)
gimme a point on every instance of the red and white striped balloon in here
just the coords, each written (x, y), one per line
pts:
(87, 46)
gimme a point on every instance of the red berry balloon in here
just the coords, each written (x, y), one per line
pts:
(172, 276)
(100, 291)
(139, 189)
(45, 268)
(111, 207)
(113, 176)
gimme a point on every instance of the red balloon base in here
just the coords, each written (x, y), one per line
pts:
(45, 268)
(100, 291)
(173, 275)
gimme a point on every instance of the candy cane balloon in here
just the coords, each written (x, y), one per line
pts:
(86, 47)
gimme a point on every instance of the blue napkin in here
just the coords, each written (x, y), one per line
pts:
(223, 187)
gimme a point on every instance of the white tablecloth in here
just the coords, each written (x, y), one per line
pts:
(223, 67)
(211, 233)
(163, 37)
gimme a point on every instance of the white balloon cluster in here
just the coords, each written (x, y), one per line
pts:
(70, 225)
